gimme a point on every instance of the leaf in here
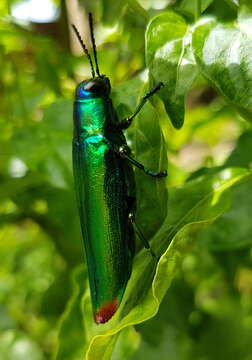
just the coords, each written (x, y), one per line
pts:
(233, 3)
(4, 8)
(233, 229)
(194, 8)
(127, 343)
(244, 17)
(149, 149)
(241, 155)
(45, 146)
(112, 11)
(15, 187)
(147, 145)
(72, 331)
(198, 204)
(223, 54)
(170, 60)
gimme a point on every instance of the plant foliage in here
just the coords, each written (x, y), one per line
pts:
(195, 303)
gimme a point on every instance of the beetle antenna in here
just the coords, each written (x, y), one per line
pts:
(93, 43)
(85, 49)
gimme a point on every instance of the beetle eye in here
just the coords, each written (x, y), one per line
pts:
(95, 87)
(92, 87)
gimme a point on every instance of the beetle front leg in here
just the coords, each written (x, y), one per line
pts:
(124, 152)
(124, 124)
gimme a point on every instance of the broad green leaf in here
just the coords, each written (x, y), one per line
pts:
(112, 11)
(4, 8)
(201, 308)
(233, 229)
(191, 208)
(72, 334)
(149, 149)
(30, 191)
(170, 60)
(135, 6)
(15, 187)
(225, 10)
(193, 8)
(46, 146)
(233, 3)
(147, 145)
(223, 54)
(127, 343)
(40, 238)
(241, 155)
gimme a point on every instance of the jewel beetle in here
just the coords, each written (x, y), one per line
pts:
(105, 187)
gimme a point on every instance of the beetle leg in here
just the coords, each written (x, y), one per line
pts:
(124, 124)
(124, 152)
(141, 236)
(147, 171)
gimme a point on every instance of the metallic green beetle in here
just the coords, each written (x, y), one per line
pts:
(105, 188)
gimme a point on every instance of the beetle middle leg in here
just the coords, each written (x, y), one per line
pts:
(124, 152)
(124, 124)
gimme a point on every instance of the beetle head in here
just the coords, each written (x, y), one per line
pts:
(93, 88)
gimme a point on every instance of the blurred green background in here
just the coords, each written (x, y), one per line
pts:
(207, 312)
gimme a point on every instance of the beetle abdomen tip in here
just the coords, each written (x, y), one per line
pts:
(106, 312)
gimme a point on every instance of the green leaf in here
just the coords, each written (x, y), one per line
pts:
(112, 11)
(191, 209)
(244, 17)
(72, 331)
(127, 343)
(194, 8)
(223, 54)
(46, 146)
(170, 60)
(241, 155)
(149, 149)
(4, 8)
(147, 145)
(234, 228)
(233, 3)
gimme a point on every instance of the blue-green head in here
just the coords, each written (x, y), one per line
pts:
(97, 87)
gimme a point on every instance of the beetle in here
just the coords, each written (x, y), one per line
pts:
(105, 187)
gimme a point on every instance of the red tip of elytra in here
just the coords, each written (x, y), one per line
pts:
(106, 312)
